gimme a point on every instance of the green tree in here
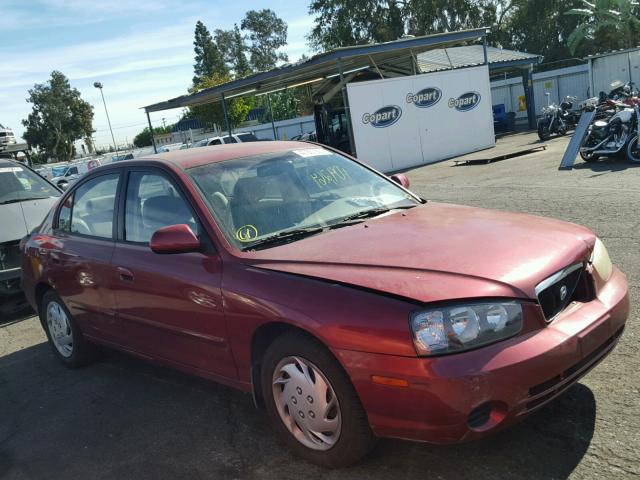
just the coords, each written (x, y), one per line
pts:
(434, 16)
(58, 118)
(536, 26)
(143, 139)
(609, 24)
(340, 23)
(266, 34)
(212, 113)
(233, 47)
(209, 60)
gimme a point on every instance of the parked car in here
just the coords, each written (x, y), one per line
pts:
(349, 307)
(63, 175)
(6, 137)
(25, 199)
(122, 157)
(307, 136)
(241, 137)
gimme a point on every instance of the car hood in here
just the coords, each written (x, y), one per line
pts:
(437, 252)
(18, 219)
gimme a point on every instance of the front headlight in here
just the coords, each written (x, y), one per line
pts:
(601, 261)
(456, 328)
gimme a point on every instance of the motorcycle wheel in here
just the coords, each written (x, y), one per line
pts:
(588, 157)
(633, 150)
(562, 130)
(543, 131)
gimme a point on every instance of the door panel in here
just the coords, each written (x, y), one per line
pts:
(80, 262)
(170, 305)
(83, 277)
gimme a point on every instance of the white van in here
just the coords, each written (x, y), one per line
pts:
(64, 175)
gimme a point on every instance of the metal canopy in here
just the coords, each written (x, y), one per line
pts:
(398, 54)
(499, 59)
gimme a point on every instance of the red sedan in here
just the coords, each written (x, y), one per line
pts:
(350, 308)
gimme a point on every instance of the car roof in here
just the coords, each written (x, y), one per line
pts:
(194, 157)
(7, 161)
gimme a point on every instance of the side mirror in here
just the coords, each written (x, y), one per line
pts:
(401, 179)
(174, 239)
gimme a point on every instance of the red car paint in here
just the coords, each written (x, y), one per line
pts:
(354, 290)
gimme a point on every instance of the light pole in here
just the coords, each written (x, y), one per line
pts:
(98, 85)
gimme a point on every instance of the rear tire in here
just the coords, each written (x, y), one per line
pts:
(65, 338)
(317, 384)
(633, 150)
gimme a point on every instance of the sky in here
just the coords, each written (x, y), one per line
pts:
(141, 51)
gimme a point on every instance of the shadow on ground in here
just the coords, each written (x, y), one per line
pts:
(14, 312)
(606, 165)
(122, 418)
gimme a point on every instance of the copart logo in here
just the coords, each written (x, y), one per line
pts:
(465, 102)
(383, 117)
(425, 98)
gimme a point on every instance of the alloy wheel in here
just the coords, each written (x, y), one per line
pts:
(307, 403)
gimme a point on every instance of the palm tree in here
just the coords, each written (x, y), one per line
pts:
(609, 24)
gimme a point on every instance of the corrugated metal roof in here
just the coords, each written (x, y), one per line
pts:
(612, 52)
(321, 66)
(469, 55)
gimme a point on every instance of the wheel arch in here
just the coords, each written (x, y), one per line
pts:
(41, 289)
(261, 339)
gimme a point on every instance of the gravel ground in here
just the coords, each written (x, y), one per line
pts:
(122, 418)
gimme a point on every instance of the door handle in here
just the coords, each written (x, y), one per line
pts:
(126, 275)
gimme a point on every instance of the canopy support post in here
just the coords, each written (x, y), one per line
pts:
(227, 124)
(347, 110)
(273, 125)
(153, 139)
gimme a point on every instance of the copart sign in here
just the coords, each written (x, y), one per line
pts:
(465, 102)
(383, 117)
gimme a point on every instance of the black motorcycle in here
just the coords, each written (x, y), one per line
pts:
(557, 119)
(615, 132)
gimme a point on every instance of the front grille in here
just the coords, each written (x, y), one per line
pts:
(560, 289)
(9, 255)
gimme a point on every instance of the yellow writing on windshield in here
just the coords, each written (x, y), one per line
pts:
(246, 233)
(333, 175)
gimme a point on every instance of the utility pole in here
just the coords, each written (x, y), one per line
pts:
(98, 85)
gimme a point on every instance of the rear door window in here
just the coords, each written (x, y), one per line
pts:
(90, 209)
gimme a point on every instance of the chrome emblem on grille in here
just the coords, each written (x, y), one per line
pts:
(563, 292)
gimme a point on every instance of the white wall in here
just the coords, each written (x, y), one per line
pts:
(418, 135)
(573, 81)
(285, 129)
(624, 66)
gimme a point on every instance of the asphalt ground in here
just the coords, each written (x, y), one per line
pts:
(122, 418)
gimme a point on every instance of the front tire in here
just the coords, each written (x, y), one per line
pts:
(65, 338)
(543, 130)
(312, 403)
(633, 150)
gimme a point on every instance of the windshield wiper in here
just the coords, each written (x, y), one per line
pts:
(293, 235)
(284, 237)
(374, 212)
(17, 200)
